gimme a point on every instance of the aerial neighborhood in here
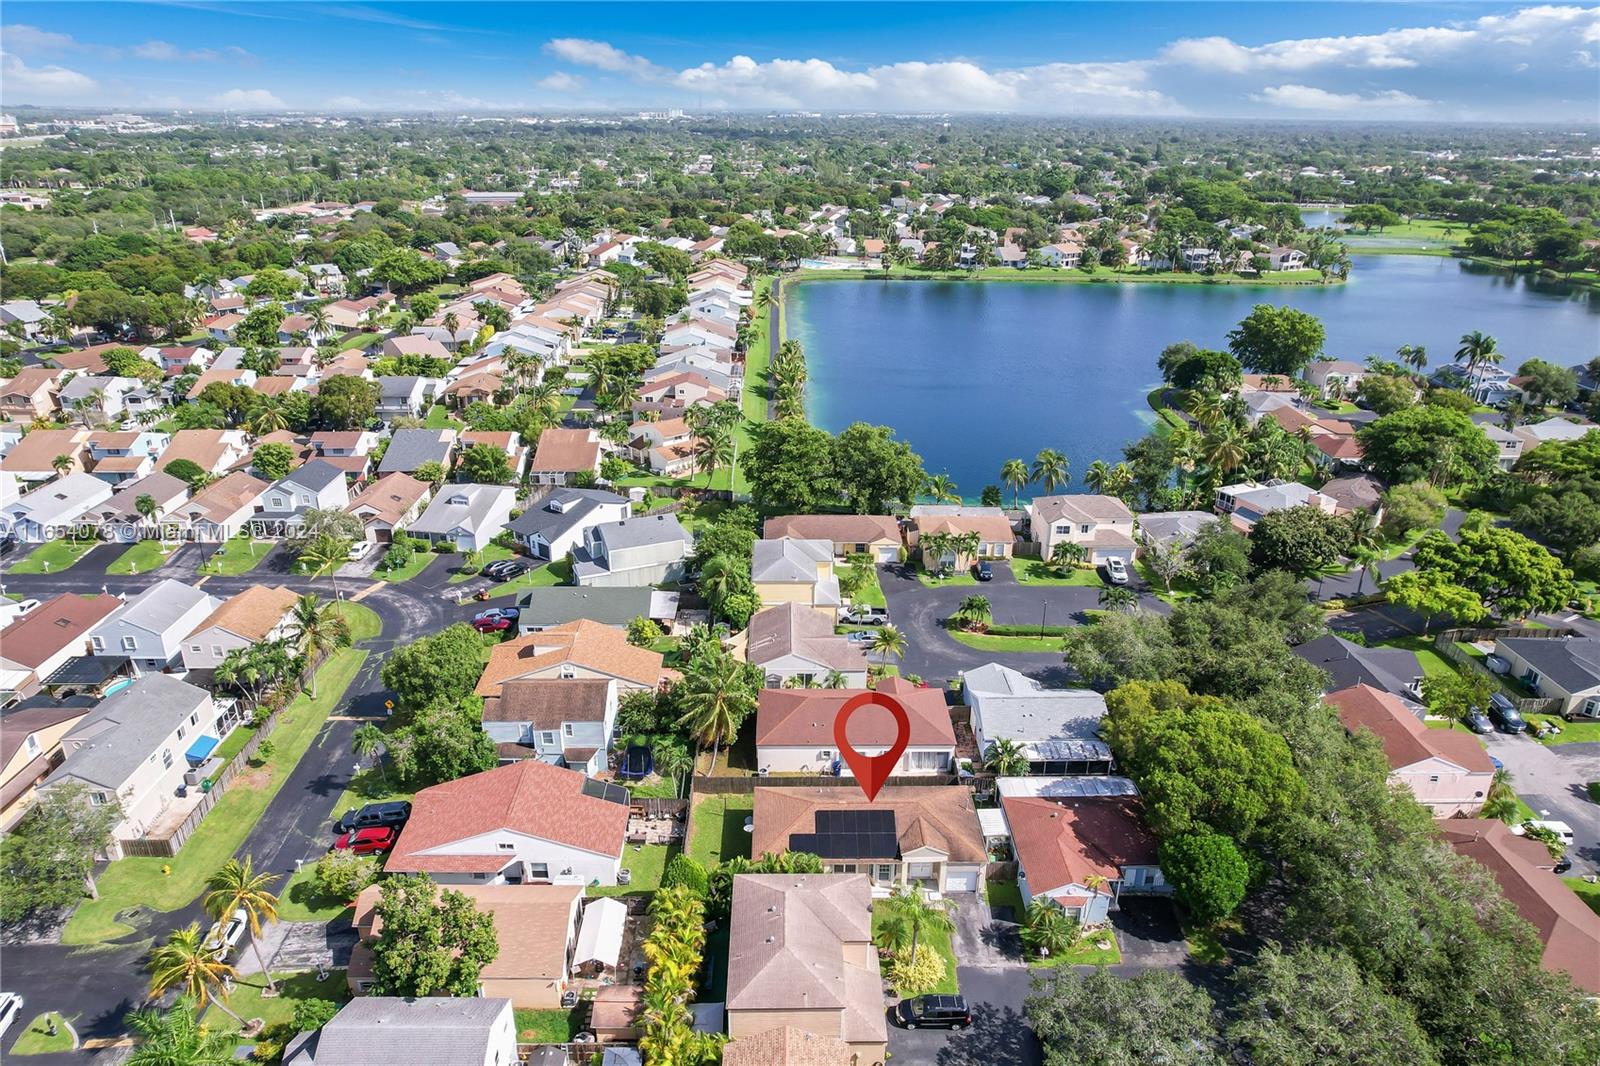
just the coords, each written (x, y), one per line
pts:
(437, 581)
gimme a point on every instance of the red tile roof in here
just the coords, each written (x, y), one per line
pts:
(1061, 842)
(1406, 740)
(805, 717)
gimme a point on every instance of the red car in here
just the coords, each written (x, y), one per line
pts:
(367, 841)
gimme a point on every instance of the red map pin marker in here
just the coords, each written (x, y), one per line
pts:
(872, 770)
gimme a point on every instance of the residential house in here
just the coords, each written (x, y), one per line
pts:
(507, 441)
(220, 510)
(30, 394)
(563, 454)
(34, 457)
(1356, 492)
(790, 1046)
(1102, 525)
(349, 450)
(666, 447)
(577, 650)
(794, 644)
(388, 1030)
(179, 360)
(406, 396)
(558, 524)
(524, 823)
(1554, 428)
(1058, 730)
(318, 485)
(1173, 529)
(801, 955)
(1082, 852)
(1062, 254)
(1394, 670)
(671, 396)
(258, 615)
(93, 399)
(649, 550)
(410, 449)
(1448, 772)
(213, 450)
(948, 525)
(119, 518)
(1566, 669)
(53, 510)
(1286, 258)
(118, 458)
(238, 376)
(35, 645)
(389, 504)
(467, 516)
(476, 387)
(415, 344)
(850, 534)
(923, 835)
(1508, 446)
(32, 317)
(796, 571)
(1569, 930)
(30, 749)
(132, 747)
(1247, 503)
(795, 730)
(353, 314)
(150, 628)
(566, 722)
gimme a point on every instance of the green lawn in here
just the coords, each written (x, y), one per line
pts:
(249, 1001)
(1097, 948)
(419, 562)
(937, 940)
(363, 621)
(168, 884)
(54, 556)
(238, 556)
(872, 594)
(558, 572)
(36, 1041)
(1571, 732)
(1005, 894)
(492, 554)
(647, 863)
(141, 558)
(1036, 572)
(299, 899)
(1587, 891)
(716, 829)
(372, 785)
(960, 577)
(1433, 664)
(989, 642)
(358, 339)
(546, 1026)
(439, 418)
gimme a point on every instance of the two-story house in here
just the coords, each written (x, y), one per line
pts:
(557, 525)
(150, 628)
(1566, 669)
(29, 394)
(789, 570)
(570, 720)
(1448, 772)
(635, 551)
(389, 504)
(125, 456)
(318, 485)
(1102, 525)
(666, 447)
(259, 614)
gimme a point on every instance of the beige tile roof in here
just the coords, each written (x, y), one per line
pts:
(40, 446)
(533, 924)
(992, 528)
(839, 528)
(1082, 507)
(566, 450)
(389, 497)
(787, 1046)
(948, 809)
(253, 613)
(797, 629)
(223, 498)
(203, 446)
(597, 647)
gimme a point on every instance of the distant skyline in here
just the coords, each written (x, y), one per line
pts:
(1388, 61)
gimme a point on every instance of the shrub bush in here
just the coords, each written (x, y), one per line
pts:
(687, 871)
(916, 978)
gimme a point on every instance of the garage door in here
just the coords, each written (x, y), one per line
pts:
(888, 553)
(961, 879)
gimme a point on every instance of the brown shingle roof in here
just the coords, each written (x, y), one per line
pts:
(222, 498)
(597, 647)
(253, 613)
(1082, 507)
(840, 528)
(35, 451)
(528, 797)
(533, 924)
(566, 450)
(780, 812)
(797, 629)
(1063, 841)
(389, 497)
(805, 717)
(53, 625)
(203, 446)
(548, 702)
(1406, 741)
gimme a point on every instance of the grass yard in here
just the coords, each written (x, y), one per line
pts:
(54, 556)
(716, 828)
(248, 999)
(1097, 948)
(1588, 891)
(1036, 572)
(419, 562)
(1571, 732)
(492, 554)
(1004, 894)
(961, 577)
(647, 862)
(439, 418)
(36, 1040)
(372, 785)
(239, 555)
(871, 595)
(558, 572)
(141, 558)
(362, 620)
(299, 899)
(1433, 664)
(553, 1026)
(937, 941)
(989, 642)
(168, 884)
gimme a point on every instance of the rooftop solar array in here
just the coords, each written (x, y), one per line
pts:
(606, 791)
(850, 835)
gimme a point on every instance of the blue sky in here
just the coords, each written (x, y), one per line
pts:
(1446, 61)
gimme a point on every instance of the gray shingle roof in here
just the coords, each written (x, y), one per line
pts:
(392, 1031)
(160, 605)
(789, 559)
(609, 606)
(1389, 669)
(637, 532)
(1571, 662)
(410, 448)
(316, 475)
(124, 730)
(579, 503)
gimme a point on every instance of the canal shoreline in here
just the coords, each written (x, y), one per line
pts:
(1063, 276)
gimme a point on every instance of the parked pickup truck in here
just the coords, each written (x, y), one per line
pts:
(862, 615)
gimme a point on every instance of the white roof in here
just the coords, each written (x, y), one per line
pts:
(993, 822)
(1054, 787)
(600, 933)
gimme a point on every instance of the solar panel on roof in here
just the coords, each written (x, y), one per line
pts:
(606, 791)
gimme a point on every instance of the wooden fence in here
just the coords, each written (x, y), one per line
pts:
(1446, 645)
(726, 786)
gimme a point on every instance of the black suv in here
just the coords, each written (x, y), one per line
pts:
(934, 1012)
(1503, 713)
(386, 815)
(505, 569)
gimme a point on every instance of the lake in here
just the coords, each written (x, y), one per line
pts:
(974, 373)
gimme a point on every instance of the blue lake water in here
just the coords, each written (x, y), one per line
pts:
(974, 373)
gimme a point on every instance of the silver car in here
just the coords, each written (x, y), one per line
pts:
(1117, 571)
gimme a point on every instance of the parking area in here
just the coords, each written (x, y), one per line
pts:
(999, 1035)
(1148, 933)
(1555, 779)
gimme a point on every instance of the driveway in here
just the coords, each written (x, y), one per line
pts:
(999, 1035)
(980, 940)
(1553, 779)
(1148, 935)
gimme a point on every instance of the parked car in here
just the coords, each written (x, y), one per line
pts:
(1477, 721)
(1560, 829)
(10, 1007)
(985, 571)
(382, 815)
(501, 569)
(1505, 716)
(1496, 664)
(934, 1012)
(1117, 571)
(862, 615)
(857, 636)
(361, 549)
(225, 936)
(367, 841)
(496, 619)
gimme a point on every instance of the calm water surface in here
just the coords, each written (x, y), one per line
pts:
(975, 373)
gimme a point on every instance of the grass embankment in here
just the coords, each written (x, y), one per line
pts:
(250, 1000)
(54, 556)
(237, 556)
(1037, 572)
(168, 884)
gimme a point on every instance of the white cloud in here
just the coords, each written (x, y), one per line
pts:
(167, 52)
(43, 84)
(26, 40)
(248, 100)
(1310, 98)
(347, 103)
(602, 56)
(560, 82)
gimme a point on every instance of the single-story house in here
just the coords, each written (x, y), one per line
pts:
(410, 449)
(851, 534)
(55, 509)
(1173, 529)
(792, 643)
(390, 504)
(562, 454)
(795, 730)
(36, 644)
(468, 516)
(579, 649)
(388, 1030)
(1057, 729)
(1247, 503)
(553, 605)
(1082, 852)
(259, 614)
(219, 511)
(989, 525)
(1394, 670)
(1559, 668)
(1448, 772)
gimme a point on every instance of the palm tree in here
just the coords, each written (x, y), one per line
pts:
(1066, 555)
(1118, 598)
(835, 679)
(973, 612)
(146, 505)
(370, 742)
(1005, 758)
(1047, 930)
(1050, 469)
(889, 641)
(1225, 450)
(238, 887)
(1477, 349)
(713, 451)
(1015, 474)
(318, 317)
(942, 489)
(911, 917)
(1413, 355)
(177, 1038)
(185, 962)
(61, 464)
(317, 629)
(1099, 475)
(325, 554)
(672, 761)
(716, 695)
(269, 418)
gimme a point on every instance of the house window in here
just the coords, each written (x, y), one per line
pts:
(98, 642)
(925, 760)
(538, 871)
(194, 718)
(1063, 529)
(825, 755)
(505, 845)
(886, 872)
(166, 758)
(216, 651)
(181, 731)
(195, 648)
(1085, 528)
(548, 739)
(32, 742)
(129, 643)
(480, 877)
(566, 729)
(98, 799)
(1433, 777)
